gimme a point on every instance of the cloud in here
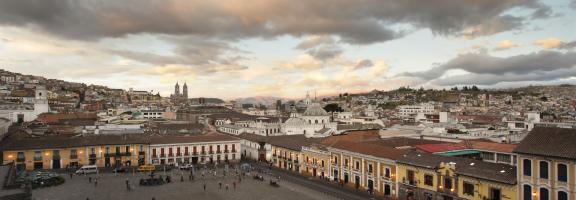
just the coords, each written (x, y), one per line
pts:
(320, 47)
(549, 43)
(353, 22)
(505, 44)
(568, 45)
(492, 79)
(364, 63)
(480, 67)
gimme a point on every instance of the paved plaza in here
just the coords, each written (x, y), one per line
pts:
(113, 186)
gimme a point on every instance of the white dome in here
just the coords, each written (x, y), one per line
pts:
(315, 110)
(295, 121)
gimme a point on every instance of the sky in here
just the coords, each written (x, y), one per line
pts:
(285, 48)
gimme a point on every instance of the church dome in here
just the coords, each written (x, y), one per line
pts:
(294, 121)
(315, 110)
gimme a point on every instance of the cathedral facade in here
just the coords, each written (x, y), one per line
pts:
(179, 97)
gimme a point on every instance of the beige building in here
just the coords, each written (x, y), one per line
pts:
(547, 164)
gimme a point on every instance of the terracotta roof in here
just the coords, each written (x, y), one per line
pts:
(353, 136)
(253, 137)
(442, 147)
(292, 142)
(50, 142)
(397, 142)
(369, 149)
(502, 173)
(550, 142)
(489, 146)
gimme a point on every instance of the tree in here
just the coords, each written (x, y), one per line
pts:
(474, 88)
(465, 88)
(333, 107)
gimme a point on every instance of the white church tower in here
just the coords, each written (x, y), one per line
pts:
(41, 101)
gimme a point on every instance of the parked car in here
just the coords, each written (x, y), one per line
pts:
(120, 169)
(185, 166)
(87, 169)
(146, 168)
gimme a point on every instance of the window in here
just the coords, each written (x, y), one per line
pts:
(37, 155)
(448, 183)
(527, 167)
(20, 157)
(562, 173)
(544, 194)
(562, 195)
(370, 168)
(495, 194)
(410, 175)
(387, 173)
(428, 180)
(357, 165)
(487, 156)
(504, 158)
(543, 169)
(468, 188)
(527, 192)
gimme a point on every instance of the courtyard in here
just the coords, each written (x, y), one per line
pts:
(113, 186)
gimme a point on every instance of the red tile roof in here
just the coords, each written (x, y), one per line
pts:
(442, 147)
(489, 146)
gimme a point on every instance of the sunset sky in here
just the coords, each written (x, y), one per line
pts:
(242, 48)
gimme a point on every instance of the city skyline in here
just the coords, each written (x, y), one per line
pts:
(276, 48)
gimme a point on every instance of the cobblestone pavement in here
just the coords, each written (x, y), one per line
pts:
(113, 186)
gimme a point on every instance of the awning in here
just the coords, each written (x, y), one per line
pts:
(458, 153)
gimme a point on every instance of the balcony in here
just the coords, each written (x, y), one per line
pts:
(178, 154)
(170, 155)
(117, 154)
(154, 156)
(20, 159)
(73, 156)
(141, 153)
(203, 153)
(233, 150)
(218, 151)
(226, 151)
(210, 152)
(92, 155)
(162, 155)
(186, 154)
(195, 153)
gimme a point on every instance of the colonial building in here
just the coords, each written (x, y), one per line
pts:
(287, 151)
(57, 152)
(200, 149)
(547, 164)
(314, 122)
(26, 112)
(365, 166)
(427, 176)
(179, 97)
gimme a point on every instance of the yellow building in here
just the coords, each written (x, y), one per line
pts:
(60, 152)
(287, 151)
(427, 177)
(315, 161)
(547, 164)
(365, 166)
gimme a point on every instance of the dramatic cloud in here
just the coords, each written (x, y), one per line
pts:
(320, 47)
(549, 43)
(356, 22)
(505, 44)
(543, 65)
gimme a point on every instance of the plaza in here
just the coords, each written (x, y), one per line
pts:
(113, 186)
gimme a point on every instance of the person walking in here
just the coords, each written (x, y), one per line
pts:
(220, 184)
(127, 184)
(234, 184)
(96, 182)
(204, 186)
(89, 179)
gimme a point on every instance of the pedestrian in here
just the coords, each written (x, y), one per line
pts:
(71, 175)
(226, 186)
(234, 183)
(89, 179)
(96, 183)
(220, 184)
(204, 186)
(127, 184)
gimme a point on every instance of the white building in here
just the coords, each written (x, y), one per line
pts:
(18, 113)
(407, 110)
(314, 122)
(201, 149)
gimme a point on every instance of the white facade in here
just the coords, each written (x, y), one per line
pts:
(313, 120)
(407, 110)
(27, 112)
(195, 153)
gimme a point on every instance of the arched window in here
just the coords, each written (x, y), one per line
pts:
(562, 195)
(527, 192)
(562, 172)
(544, 194)
(527, 167)
(543, 169)
(315, 121)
